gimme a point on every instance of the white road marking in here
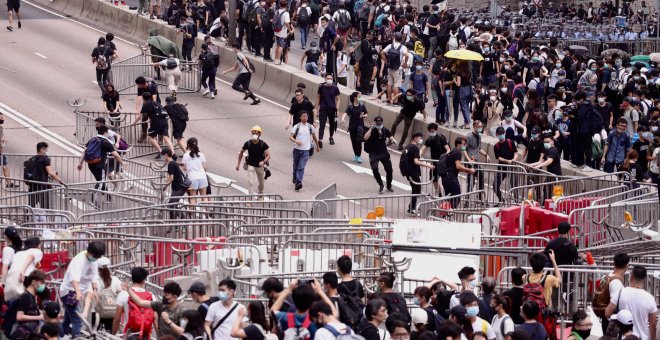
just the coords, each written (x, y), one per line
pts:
(362, 170)
(222, 179)
(40, 55)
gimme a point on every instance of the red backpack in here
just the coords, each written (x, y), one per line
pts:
(533, 291)
(140, 319)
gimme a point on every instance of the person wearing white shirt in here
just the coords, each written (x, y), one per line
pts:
(194, 164)
(105, 281)
(13, 244)
(282, 19)
(222, 314)
(502, 323)
(640, 303)
(471, 303)
(323, 314)
(138, 277)
(389, 62)
(23, 263)
(342, 66)
(79, 279)
(302, 135)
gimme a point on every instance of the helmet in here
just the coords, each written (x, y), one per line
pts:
(257, 128)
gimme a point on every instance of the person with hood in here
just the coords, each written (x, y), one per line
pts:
(160, 48)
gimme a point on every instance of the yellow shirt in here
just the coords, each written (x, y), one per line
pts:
(551, 282)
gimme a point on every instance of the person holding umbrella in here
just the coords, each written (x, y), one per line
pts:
(463, 81)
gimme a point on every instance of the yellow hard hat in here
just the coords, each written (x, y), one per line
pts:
(257, 128)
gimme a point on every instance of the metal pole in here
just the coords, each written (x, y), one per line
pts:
(232, 22)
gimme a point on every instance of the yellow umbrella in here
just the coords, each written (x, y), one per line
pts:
(464, 55)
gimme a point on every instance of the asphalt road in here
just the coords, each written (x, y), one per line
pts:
(47, 62)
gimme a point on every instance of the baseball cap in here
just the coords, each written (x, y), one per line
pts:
(103, 262)
(624, 317)
(197, 287)
(499, 130)
(418, 316)
(536, 129)
(52, 309)
(378, 119)
(458, 311)
(170, 99)
(11, 231)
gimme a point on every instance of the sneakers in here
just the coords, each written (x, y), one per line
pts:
(586, 168)
(298, 186)
(380, 190)
(355, 159)
(332, 141)
(19, 24)
(206, 93)
(215, 92)
(411, 211)
(247, 95)
(389, 189)
(574, 166)
(212, 96)
(359, 159)
(293, 180)
(10, 29)
(256, 102)
(158, 157)
(320, 144)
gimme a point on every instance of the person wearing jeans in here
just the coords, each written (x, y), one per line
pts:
(302, 135)
(207, 60)
(616, 146)
(303, 24)
(464, 82)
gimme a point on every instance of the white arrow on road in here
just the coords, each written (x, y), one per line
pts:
(225, 180)
(362, 170)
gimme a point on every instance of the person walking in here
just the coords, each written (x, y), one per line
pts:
(299, 103)
(178, 115)
(302, 135)
(450, 181)
(173, 73)
(102, 56)
(256, 162)
(392, 57)
(413, 158)
(375, 144)
(327, 102)
(13, 7)
(438, 145)
(357, 112)
(242, 81)
(303, 18)
(207, 61)
(96, 157)
(194, 165)
(37, 170)
(175, 177)
(640, 303)
(505, 153)
(283, 29)
(411, 106)
(156, 115)
(616, 146)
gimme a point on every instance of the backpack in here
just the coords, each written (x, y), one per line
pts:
(93, 154)
(171, 64)
(394, 57)
(102, 62)
(349, 335)
(379, 19)
(179, 112)
(602, 295)
(533, 291)
(404, 162)
(252, 15)
(443, 301)
(434, 318)
(437, 67)
(396, 305)
(174, 19)
(31, 171)
(540, 89)
(107, 303)
(140, 319)
(267, 335)
(303, 16)
(293, 332)
(159, 111)
(247, 8)
(350, 308)
(279, 23)
(209, 60)
(452, 43)
(363, 14)
(266, 18)
(343, 23)
(443, 166)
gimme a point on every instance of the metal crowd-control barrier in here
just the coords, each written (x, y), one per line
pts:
(635, 194)
(609, 223)
(311, 208)
(634, 47)
(124, 73)
(566, 204)
(468, 201)
(22, 214)
(464, 216)
(266, 229)
(394, 206)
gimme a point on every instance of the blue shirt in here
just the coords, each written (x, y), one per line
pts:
(419, 82)
(618, 146)
(299, 319)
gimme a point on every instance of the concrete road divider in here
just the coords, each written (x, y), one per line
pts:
(90, 9)
(125, 21)
(106, 16)
(278, 82)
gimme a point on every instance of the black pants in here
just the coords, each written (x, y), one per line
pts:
(478, 176)
(257, 41)
(384, 158)
(210, 76)
(366, 86)
(242, 31)
(407, 123)
(103, 78)
(452, 188)
(38, 198)
(582, 149)
(242, 84)
(416, 189)
(269, 40)
(175, 197)
(356, 141)
(326, 114)
(186, 51)
(330, 64)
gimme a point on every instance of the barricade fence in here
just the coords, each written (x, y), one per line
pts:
(125, 71)
(638, 46)
(468, 201)
(393, 206)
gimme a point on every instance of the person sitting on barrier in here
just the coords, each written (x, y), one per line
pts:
(515, 293)
(502, 323)
(173, 74)
(536, 331)
(13, 244)
(272, 289)
(394, 300)
(325, 315)
(375, 314)
(304, 293)
(471, 303)
(167, 311)
(259, 326)
(123, 312)
(549, 281)
(581, 327)
(80, 278)
(197, 292)
(22, 264)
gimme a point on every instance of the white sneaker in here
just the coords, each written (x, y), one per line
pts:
(586, 169)
(574, 166)
(206, 93)
(212, 96)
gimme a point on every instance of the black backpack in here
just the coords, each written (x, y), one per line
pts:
(171, 64)
(159, 111)
(210, 60)
(437, 67)
(303, 16)
(350, 308)
(31, 171)
(443, 300)
(396, 304)
(443, 166)
(179, 112)
(405, 162)
(394, 57)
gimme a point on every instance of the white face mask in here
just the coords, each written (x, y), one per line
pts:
(433, 134)
(505, 89)
(493, 98)
(183, 323)
(328, 81)
(255, 136)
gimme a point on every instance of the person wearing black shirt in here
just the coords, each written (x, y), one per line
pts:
(28, 315)
(375, 145)
(327, 102)
(111, 104)
(642, 146)
(368, 65)
(97, 166)
(256, 162)
(299, 103)
(454, 165)
(534, 148)
(432, 24)
(565, 251)
(145, 85)
(156, 115)
(515, 293)
(175, 178)
(438, 145)
(189, 31)
(310, 59)
(488, 67)
(505, 153)
(551, 158)
(415, 173)
(102, 56)
(356, 111)
(411, 105)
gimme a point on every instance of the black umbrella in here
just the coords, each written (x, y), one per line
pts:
(579, 49)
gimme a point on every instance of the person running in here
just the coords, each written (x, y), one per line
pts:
(258, 155)
(207, 60)
(153, 112)
(302, 135)
(178, 115)
(173, 73)
(375, 144)
(13, 7)
(242, 81)
(411, 105)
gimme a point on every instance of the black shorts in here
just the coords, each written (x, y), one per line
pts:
(177, 129)
(13, 5)
(158, 128)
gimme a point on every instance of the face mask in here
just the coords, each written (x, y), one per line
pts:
(472, 311)
(562, 77)
(507, 67)
(583, 333)
(607, 66)
(654, 128)
(535, 136)
(493, 98)
(508, 119)
(558, 66)
(601, 100)
(41, 288)
(433, 134)
(255, 136)
(183, 323)
(315, 48)
(501, 60)
(165, 301)
(223, 296)
(501, 137)
(418, 68)
(486, 49)
(91, 258)
(328, 82)
(379, 127)
(462, 148)
(618, 63)
(410, 98)
(547, 146)
(504, 89)
(420, 141)
(479, 130)
(415, 301)
(635, 98)
(636, 77)
(647, 135)
(535, 59)
(593, 69)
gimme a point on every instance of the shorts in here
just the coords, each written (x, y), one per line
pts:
(155, 2)
(158, 129)
(198, 184)
(282, 42)
(3, 161)
(13, 5)
(177, 129)
(394, 78)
